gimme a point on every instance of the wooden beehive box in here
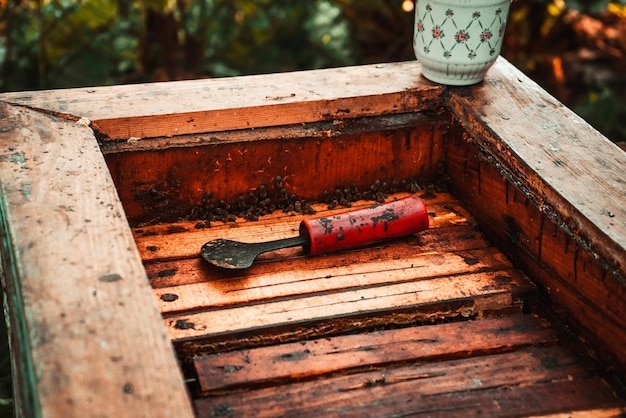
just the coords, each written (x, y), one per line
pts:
(108, 193)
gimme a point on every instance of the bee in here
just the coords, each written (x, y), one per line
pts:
(414, 187)
(197, 212)
(252, 199)
(307, 209)
(225, 205)
(429, 193)
(252, 216)
(262, 191)
(206, 200)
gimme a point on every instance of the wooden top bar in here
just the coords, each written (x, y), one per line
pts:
(89, 336)
(200, 106)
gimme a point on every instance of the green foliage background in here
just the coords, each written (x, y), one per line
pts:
(48, 44)
(61, 43)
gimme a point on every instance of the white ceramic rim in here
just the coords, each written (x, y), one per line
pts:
(467, 3)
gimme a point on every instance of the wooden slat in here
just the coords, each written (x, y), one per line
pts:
(185, 107)
(186, 242)
(522, 382)
(423, 275)
(280, 364)
(476, 294)
(323, 130)
(460, 239)
(86, 332)
(282, 280)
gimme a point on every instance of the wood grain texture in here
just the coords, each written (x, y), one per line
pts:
(462, 240)
(567, 168)
(162, 185)
(182, 240)
(474, 294)
(186, 107)
(289, 273)
(285, 289)
(608, 412)
(524, 382)
(557, 210)
(270, 283)
(77, 293)
(312, 359)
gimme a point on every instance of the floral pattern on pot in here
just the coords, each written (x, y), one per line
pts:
(482, 31)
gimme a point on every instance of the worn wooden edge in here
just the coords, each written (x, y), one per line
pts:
(575, 283)
(324, 129)
(85, 325)
(476, 294)
(307, 360)
(132, 112)
(570, 171)
(23, 375)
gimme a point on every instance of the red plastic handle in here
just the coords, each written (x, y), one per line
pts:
(366, 226)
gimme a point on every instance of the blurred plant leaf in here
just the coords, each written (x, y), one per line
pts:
(602, 109)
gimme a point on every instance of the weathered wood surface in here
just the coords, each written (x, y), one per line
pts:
(185, 107)
(164, 185)
(550, 191)
(266, 283)
(87, 338)
(463, 240)
(262, 326)
(413, 387)
(375, 376)
(182, 240)
(446, 272)
(471, 295)
(312, 359)
(594, 297)
(567, 168)
(609, 412)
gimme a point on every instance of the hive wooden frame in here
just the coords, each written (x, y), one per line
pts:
(86, 333)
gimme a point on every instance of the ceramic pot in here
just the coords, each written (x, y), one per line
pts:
(456, 41)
